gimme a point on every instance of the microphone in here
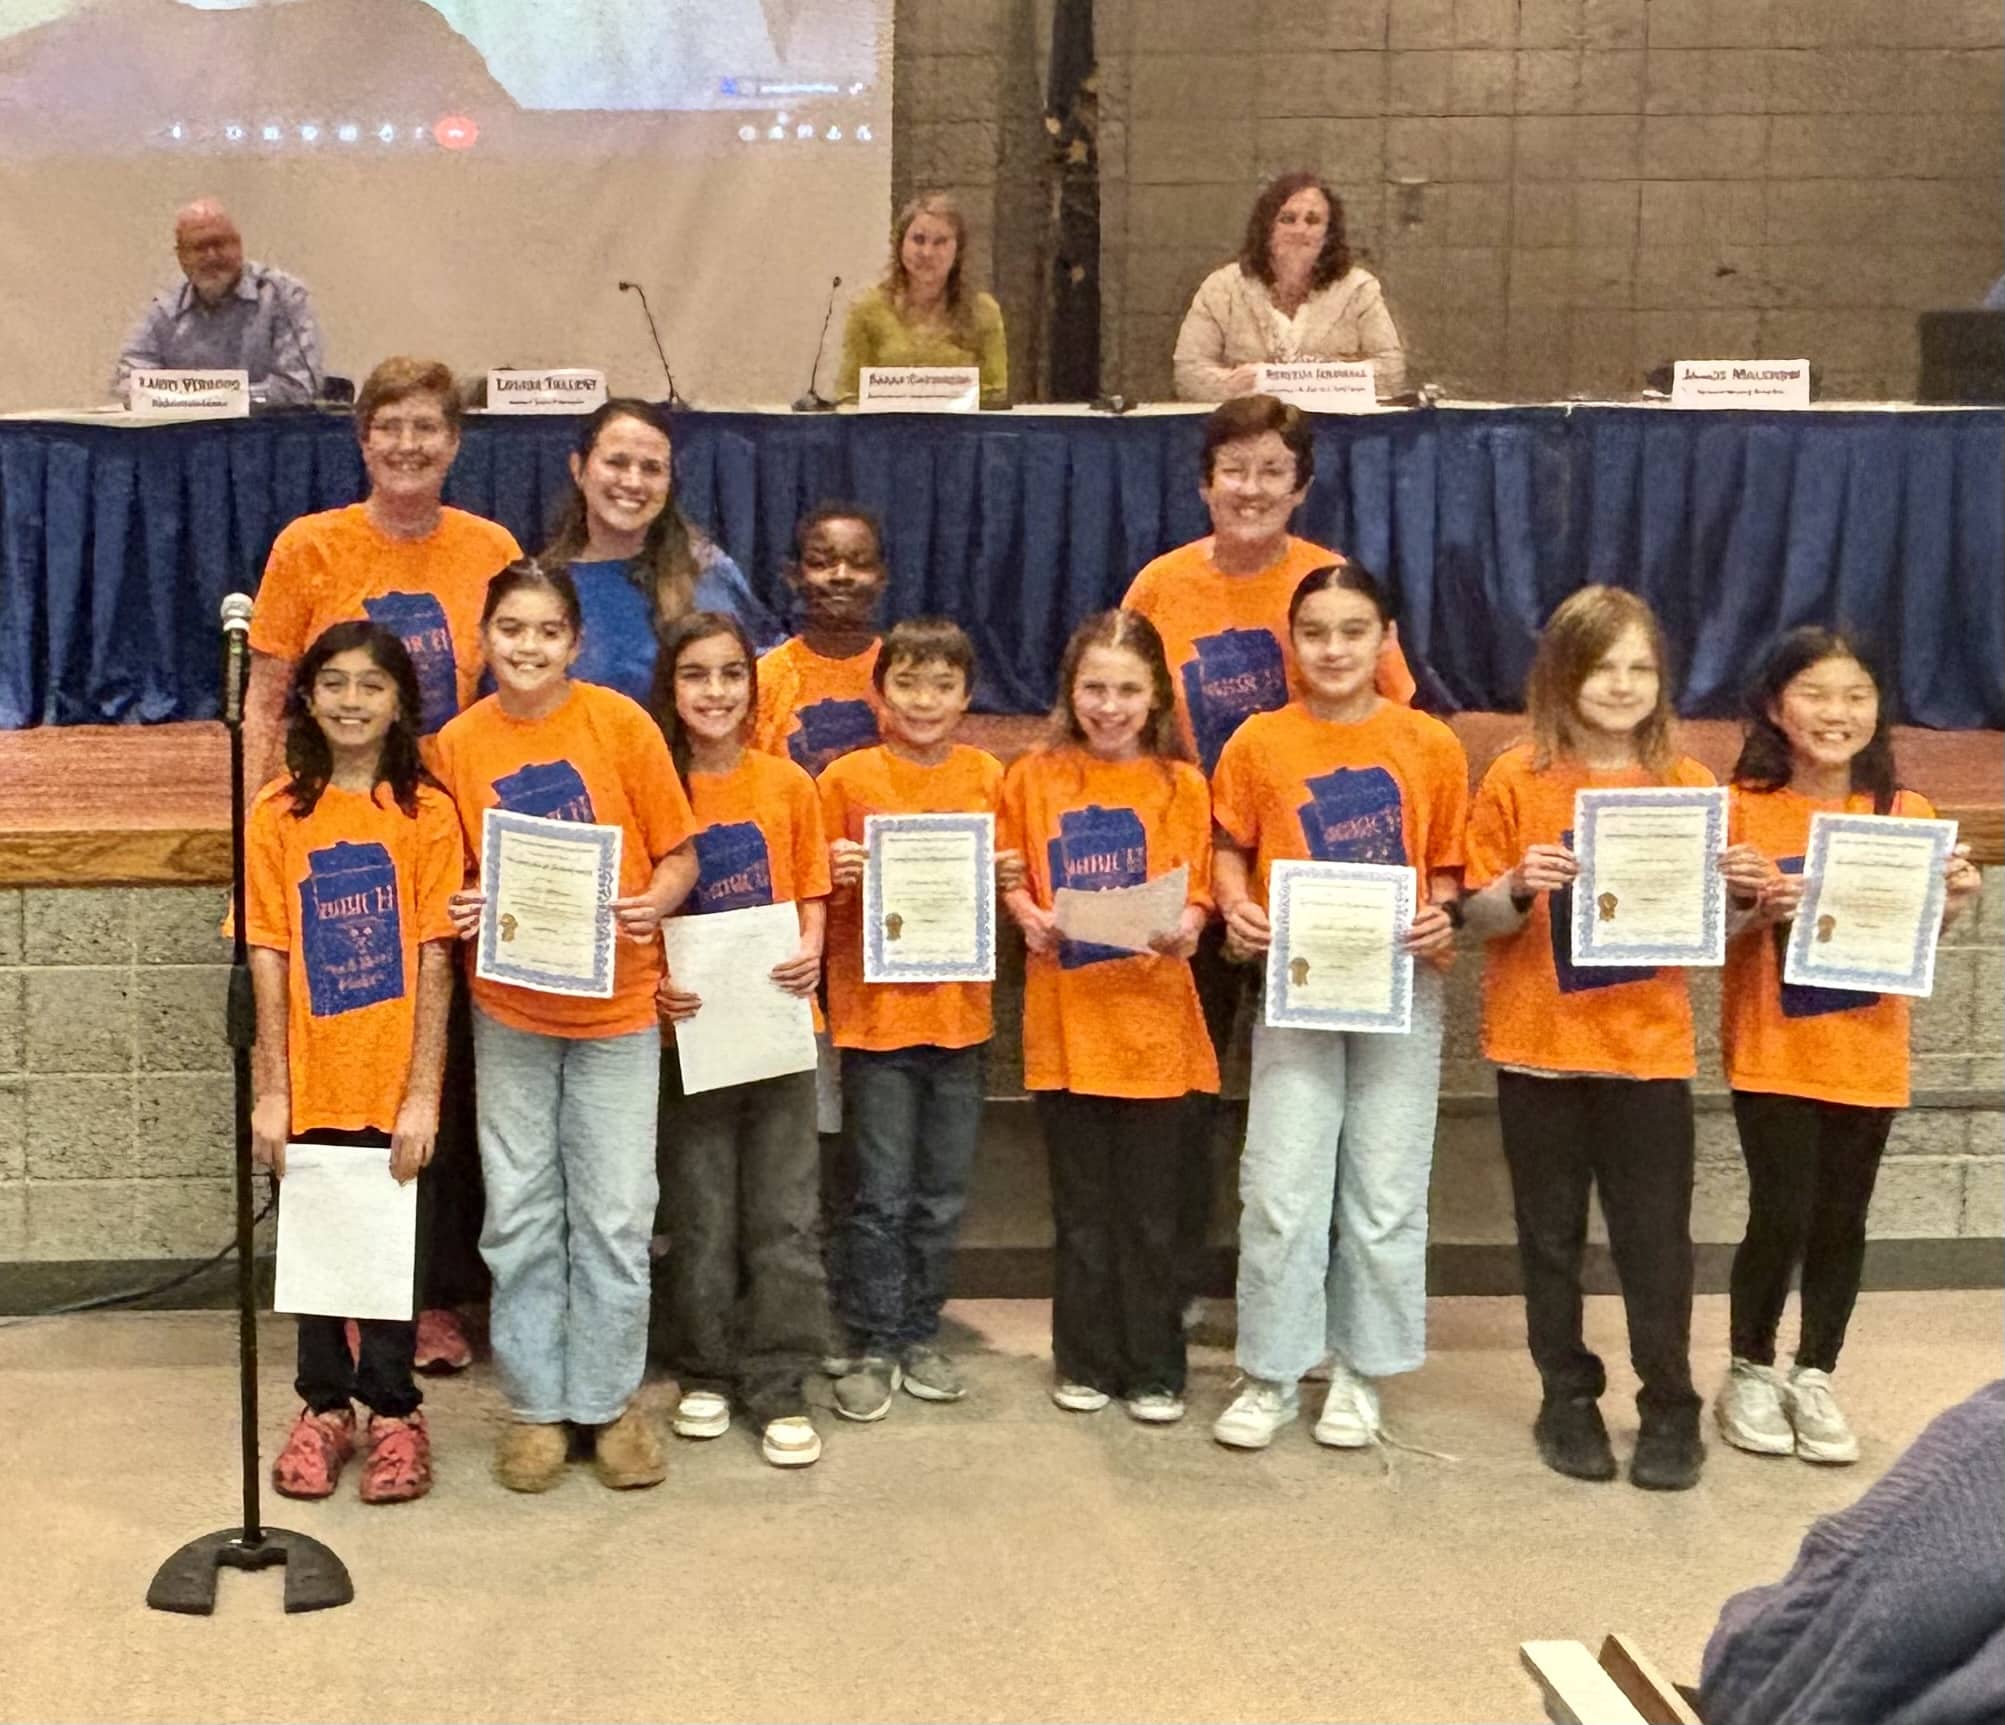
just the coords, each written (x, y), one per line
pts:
(236, 620)
(675, 396)
(814, 401)
(313, 384)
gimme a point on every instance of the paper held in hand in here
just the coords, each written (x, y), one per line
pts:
(547, 883)
(1741, 383)
(1872, 903)
(194, 394)
(1125, 918)
(563, 389)
(1650, 891)
(1322, 385)
(929, 898)
(919, 389)
(347, 1234)
(1339, 959)
(748, 1027)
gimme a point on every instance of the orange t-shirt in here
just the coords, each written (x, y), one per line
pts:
(811, 708)
(349, 895)
(1830, 1044)
(1099, 1020)
(1227, 638)
(338, 566)
(885, 1015)
(598, 758)
(1539, 1009)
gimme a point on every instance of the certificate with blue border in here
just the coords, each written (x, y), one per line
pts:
(545, 924)
(929, 898)
(1339, 959)
(1873, 891)
(1650, 889)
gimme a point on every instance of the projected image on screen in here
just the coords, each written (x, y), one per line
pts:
(250, 77)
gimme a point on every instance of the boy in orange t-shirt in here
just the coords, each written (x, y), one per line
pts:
(350, 863)
(818, 691)
(911, 1052)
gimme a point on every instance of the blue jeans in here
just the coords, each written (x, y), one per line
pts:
(1338, 1122)
(914, 1117)
(567, 1148)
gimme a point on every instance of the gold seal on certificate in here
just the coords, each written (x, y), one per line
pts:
(1339, 959)
(929, 898)
(545, 925)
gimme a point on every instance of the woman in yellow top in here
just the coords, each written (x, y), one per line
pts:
(923, 312)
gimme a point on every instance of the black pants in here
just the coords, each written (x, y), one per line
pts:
(450, 1266)
(1115, 1319)
(1810, 1173)
(741, 1302)
(1632, 1138)
(380, 1379)
(1221, 984)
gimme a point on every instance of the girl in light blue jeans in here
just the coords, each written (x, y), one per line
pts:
(1338, 1122)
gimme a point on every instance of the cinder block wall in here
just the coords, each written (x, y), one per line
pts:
(115, 1095)
(1558, 194)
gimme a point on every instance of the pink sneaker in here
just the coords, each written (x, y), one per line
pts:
(442, 1344)
(310, 1464)
(399, 1465)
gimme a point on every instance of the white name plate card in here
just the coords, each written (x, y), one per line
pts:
(199, 394)
(569, 389)
(1322, 385)
(919, 389)
(1741, 383)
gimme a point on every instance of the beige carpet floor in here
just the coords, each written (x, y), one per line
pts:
(997, 1559)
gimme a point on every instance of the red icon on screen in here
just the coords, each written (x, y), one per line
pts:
(455, 131)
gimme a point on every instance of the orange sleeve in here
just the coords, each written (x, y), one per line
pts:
(1232, 792)
(1391, 676)
(1490, 846)
(660, 804)
(1012, 817)
(810, 845)
(265, 921)
(441, 867)
(1192, 812)
(284, 609)
(834, 805)
(1449, 827)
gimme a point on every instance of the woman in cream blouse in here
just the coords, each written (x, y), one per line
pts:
(1292, 294)
(923, 312)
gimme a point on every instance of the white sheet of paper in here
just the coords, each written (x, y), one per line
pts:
(1871, 917)
(548, 882)
(1123, 916)
(748, 1028)
(935, 882)
(347, 1234)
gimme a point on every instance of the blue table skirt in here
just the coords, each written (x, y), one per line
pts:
(116, 545)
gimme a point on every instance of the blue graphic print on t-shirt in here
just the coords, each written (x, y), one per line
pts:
(1237, 673)
(553, 789)
(1354, 815)
(733, 868)
(829, 730)
(1800, 1000)
(354, 937)
(419, 621)
(1573, 978)
(1096, 848)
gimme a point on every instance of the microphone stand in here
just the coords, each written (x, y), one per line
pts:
(676, 399)
(814, 401)
(314, 1577)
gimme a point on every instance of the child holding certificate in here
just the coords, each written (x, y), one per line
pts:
(745, 1306)
(568, 1073)
(911, 1051)
(1817, 1073)
(1114, 1042)
(818, 695)
(1337, 1120)
(1595, 1064)
(350, 863)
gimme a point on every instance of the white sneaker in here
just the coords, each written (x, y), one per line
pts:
(1079, 1398)
(1750, 1412)
(791, 1442)
(1156, 1407)
(1350, 1411)
(701, 1414)
(1822, 1433)
(1257, 1413)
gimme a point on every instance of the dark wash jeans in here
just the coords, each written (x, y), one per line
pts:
(913, 1117)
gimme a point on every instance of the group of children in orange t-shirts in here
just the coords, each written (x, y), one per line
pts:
(750, 783)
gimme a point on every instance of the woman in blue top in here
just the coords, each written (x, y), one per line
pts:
(637, 564)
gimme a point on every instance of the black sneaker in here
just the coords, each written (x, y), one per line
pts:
(1572, 1439)
(1669, 1454)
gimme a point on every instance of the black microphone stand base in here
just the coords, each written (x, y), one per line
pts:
(315, 1578)
(813, 402)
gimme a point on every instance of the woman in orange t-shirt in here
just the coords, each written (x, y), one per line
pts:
(1817, 1073)
(568, 1083)
(1594, 1065)
(1114, 1043)
(1337, 1123)
(746, 1306)
(350, 863)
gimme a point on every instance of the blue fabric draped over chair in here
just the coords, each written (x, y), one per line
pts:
(116, 545)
